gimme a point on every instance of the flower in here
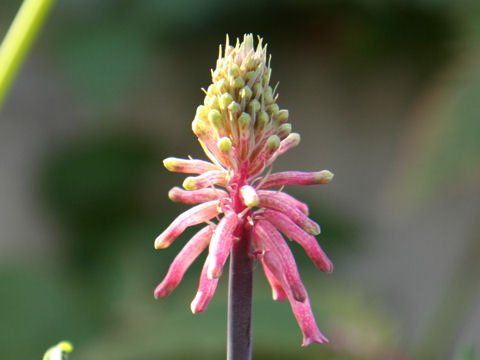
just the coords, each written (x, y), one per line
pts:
(243, 131)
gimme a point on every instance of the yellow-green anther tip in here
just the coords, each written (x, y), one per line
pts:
(225, 145)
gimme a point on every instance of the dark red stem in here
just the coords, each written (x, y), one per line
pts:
(239, 336)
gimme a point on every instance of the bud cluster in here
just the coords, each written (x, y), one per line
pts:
(240, 121)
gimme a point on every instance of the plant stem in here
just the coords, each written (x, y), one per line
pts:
(19, 37)
(239, 337)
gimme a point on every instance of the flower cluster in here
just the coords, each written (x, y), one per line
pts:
(243, 131)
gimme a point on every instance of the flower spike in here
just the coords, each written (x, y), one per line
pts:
(243, 131)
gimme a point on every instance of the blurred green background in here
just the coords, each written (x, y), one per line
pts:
(385, 94)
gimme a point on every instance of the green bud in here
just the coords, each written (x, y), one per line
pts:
(246, 93)
(225, 100)
(244, 121)
(202, 112)
(253, 106)
(268, 95)
(225, 145)
(250, 75)
(213, 102)
(284, 130)
(323, 177)
(222, 85)
(282, 116)
(234, 70)
(238, 83)
(234, 108)
(212, 90)
(261, 121)
(215, 118)
(273, 109)
(273, 143)
(257, 90)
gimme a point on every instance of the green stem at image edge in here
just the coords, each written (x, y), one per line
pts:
(18, 40)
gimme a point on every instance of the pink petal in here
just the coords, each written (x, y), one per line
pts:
(206, 289)
(277, 291)
(306, 321)
(298, 217)
(193, 216)
(188, 166)
(278, 258)
(288, 143)
(297, 178)
(280, 195)
(307, 241)
(195, 196)
(182, 262)
(209, 178)
(221, 244)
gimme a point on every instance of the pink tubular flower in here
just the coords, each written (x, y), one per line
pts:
(243, 131)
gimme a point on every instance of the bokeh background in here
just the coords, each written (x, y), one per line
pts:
(386, 94)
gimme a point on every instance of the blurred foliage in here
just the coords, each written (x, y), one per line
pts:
(103, 189)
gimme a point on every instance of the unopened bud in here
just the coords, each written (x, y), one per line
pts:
(246, 93)
(225, 145)
(234, 108)
(234, 70)
(244, 121)
(213, 102)
(257, 90)
(212, 90)
(268, 95)
(273, 143)
(238, 83)
(273, 109)
(253, 106)
(282, 116)
(250, 75)
(202, 112)
(215, 118)
(225, 100)
(222, 85)
(284, 130)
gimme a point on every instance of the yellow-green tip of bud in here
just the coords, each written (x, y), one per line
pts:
(225, 145)
(225, 100)
(215, 118)
(189, 183)
(273, 143)
(324, 177)
(244, 121)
